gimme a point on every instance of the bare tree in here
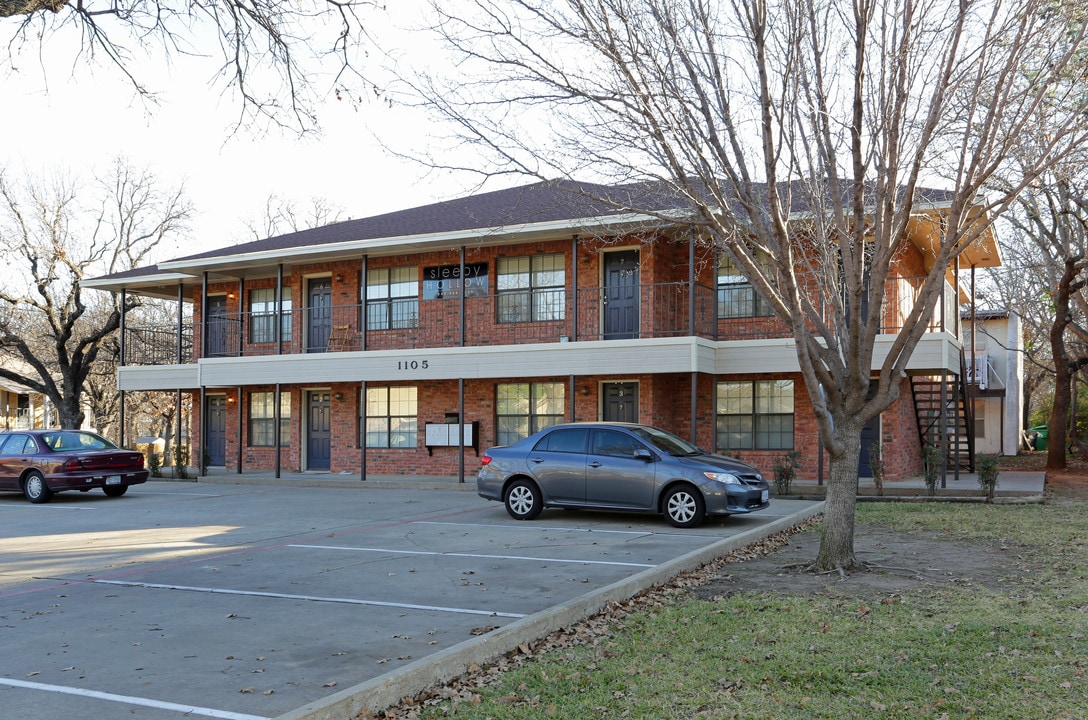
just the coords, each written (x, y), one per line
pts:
(800, 134)
(1052, 226)
(269, 50)
(283, 215)
(51, 238)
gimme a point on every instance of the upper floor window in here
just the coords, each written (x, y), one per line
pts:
(755, 415)
(262, 315)
(522, 409)
(392, 298)
(736, 296)
(262, 419)
(390, 420)
(532, 289)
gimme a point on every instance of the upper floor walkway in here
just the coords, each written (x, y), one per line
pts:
(555, 315)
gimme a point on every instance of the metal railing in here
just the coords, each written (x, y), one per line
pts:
(552, 315)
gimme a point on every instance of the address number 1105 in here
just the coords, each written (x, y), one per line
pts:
(412, 364)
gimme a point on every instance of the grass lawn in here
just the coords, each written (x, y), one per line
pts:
(987, 618)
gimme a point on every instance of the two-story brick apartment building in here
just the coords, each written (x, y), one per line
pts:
(362, 346)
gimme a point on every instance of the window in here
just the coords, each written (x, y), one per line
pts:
(564, 441)
(392, 298)
(615, 444)
(755, 415)
(532, 289)
(980, 419)
(262, 315)
(262, 419)
(390, 420)
(525, 408)
(736, 296)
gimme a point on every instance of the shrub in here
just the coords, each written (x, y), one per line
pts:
(986, 466)
(785, 471)
(876, 464)
(932, 463)
(154, 464)
(181, 462)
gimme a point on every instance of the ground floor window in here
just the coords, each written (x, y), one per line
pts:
(755, 415)
(522, 409)
(262, 419)
(390, 420)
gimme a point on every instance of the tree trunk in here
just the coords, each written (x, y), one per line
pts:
(70, 415)
(837, 542)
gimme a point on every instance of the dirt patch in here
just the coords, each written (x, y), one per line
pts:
(1069, 485)
(897, 563)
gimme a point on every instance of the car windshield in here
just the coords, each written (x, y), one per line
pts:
(71, 440)
(666, 442)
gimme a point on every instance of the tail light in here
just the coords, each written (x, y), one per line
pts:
(73, 465)
(485, 460)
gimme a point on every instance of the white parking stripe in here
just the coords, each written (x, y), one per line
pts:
(545, 528)
(475, 555)
(314, 598)
(555, 528)
(130, 700)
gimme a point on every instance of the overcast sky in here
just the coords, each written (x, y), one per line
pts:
(56, 119)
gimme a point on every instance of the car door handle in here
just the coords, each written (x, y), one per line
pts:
(537, 460)
(595, 464)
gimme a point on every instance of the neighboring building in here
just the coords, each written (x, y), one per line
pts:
(994, 348)
(21, 408)
(361, 347)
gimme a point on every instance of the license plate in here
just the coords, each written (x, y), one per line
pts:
(113, 479)
(766, 496)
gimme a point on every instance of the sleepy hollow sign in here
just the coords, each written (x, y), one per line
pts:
(445, 281)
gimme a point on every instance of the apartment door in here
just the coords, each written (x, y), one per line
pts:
(318, 314)
(215, 437)
(620, 402)
(621, 284)
(319, 431)
(216, 319)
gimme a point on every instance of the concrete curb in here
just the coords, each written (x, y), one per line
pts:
(1032, 499)
(389, 689)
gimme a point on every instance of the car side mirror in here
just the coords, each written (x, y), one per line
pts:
(643, 454)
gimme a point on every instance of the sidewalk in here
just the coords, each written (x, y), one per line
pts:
(1009, 483)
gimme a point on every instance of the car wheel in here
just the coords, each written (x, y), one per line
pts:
(523, 500)
(684, 506)
(35, 489)
(115, 490)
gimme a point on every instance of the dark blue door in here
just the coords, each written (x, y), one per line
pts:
(216, 437)
(318, 314)
(218, 330)
(621, 286)
(319, 432)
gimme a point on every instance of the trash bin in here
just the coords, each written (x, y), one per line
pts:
(1039, 433)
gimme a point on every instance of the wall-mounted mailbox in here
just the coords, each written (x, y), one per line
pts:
(446, 435)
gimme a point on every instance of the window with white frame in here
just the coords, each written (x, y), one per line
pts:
(755, 415)
(531, 289)
(391, 417)
(522, 409)
(262, 419)
(262, 315)
(392, 298)
(737, 298)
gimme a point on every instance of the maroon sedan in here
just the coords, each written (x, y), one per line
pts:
(39, 463)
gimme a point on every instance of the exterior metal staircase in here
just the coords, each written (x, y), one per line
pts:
(945, 417)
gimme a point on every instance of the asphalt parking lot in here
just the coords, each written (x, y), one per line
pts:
(250, 602)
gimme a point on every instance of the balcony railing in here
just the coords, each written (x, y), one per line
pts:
(524, 316)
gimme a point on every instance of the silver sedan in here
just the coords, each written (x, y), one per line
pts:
(618, 466)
